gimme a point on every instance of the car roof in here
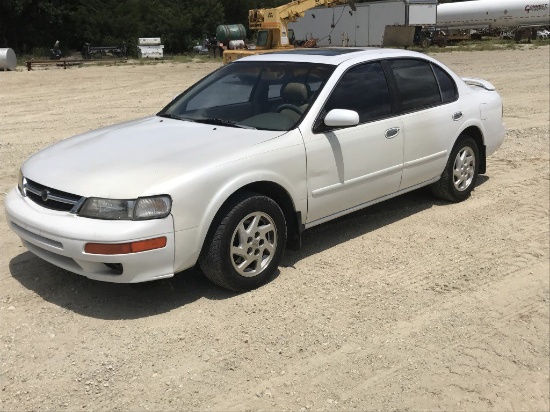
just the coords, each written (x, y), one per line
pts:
(330, 55)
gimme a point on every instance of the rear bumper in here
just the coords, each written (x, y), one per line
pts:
(497, 138)
(60, 237)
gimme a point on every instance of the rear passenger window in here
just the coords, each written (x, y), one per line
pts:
(416, 83)
(364, 89)
(446, 85)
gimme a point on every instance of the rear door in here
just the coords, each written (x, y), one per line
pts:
(431, 117)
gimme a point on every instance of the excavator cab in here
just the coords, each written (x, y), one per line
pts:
(264, 39)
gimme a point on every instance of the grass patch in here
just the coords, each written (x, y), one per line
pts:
(540, 42)
(196, 58)
(180, 58)
(472, 46)
(475, 45)
(485, 45)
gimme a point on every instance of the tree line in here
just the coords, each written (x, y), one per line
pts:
(31, 26)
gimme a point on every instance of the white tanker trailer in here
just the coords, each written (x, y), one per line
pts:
(491, 14)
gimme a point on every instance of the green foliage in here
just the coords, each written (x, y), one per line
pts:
(29, 24)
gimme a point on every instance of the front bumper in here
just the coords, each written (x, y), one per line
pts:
(60, 237)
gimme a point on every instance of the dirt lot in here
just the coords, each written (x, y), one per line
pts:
(413, 304)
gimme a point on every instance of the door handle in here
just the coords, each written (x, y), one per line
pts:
(391, 133)
(457, 116)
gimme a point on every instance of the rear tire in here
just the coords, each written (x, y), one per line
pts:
(460, 174)
(244, 248)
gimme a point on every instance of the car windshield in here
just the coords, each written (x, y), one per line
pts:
(260, 95)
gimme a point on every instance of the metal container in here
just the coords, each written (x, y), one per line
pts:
(8, 61)
(151, 52)
(228, 32)
(235, 44)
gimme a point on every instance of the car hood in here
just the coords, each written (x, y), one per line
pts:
(127, 160)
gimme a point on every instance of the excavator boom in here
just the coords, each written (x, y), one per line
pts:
(264, 18)
(277, 18)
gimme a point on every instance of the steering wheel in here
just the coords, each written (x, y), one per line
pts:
(290, 107)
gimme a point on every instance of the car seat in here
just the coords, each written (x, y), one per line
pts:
(296, 95)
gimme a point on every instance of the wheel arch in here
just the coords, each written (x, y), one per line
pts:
(295, 225)
(280, 195)
(475, 133)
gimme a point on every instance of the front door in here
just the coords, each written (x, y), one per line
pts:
(348, 167)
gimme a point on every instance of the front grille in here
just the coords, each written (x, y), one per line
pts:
(52, 198)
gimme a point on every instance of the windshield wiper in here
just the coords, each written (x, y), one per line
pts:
(221, 122)
(177, 117)
(170, 116)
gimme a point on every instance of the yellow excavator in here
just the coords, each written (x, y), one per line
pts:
(272, 26)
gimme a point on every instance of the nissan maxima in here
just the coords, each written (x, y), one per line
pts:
(234, 169)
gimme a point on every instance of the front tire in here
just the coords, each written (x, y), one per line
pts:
(244, 248)
(460, 174)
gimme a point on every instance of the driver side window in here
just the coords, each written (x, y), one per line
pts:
(364, 89)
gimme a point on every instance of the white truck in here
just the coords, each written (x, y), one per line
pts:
(381, 23)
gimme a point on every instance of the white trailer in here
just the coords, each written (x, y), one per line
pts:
(340, 26)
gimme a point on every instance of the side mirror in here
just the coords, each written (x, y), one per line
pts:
(341, 118)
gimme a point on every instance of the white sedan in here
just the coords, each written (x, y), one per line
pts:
(232, 171)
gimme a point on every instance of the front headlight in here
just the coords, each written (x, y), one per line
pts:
(143, 208)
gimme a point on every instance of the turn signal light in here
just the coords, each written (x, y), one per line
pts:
(125, 248)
